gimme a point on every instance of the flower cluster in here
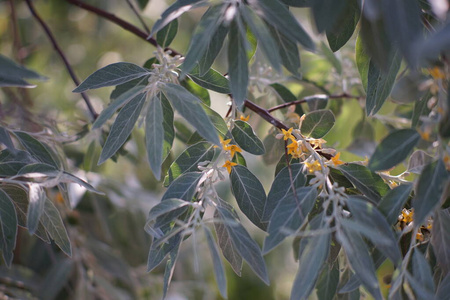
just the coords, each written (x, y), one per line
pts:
(231, 151)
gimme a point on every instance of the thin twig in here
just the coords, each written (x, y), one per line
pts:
(138, 15)
(61, 54)
(309, 98)
(122, 23)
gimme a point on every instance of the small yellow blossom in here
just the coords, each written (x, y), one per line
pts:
(425, 134)
(407, 216)
(287, 134)
(224, 143)
(317, 143)
(419, 236)
(314, 166)
(430, 225)
(228, 164)
(244, 118)
(292, 147)
(233, 149)
(437, 73)
(335, 159)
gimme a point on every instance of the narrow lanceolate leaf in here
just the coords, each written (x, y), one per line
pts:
(429, 190)
(37, 149)
(367, 182)
(443, 289)
(110, 75)
(8, 227)
(154, 135)
(166, 35)
(392, 203)
(170, 267)
(367, 216)
(247, 248)
(211, 80)
(169, 132)
(203, 34)
(190, 108)
(219, 270)
(5, 139)
(328, 282)
(311, 260)
(184, 187)
(52, 222)
(189, 160)
(237, 65)
(229, 251)
(338, 36)
(246, 138)
(262, 33)
(122, 127)
(393, 149)
(281, 187)
(290, 57)
(249, 194)
(289, 216)
(36, 196)
(360, 261)
(440, 239)
(277, 15)
(159, 252)
(164, 207)
(121, 100)
(213, 49)
(379, 84)
(318, 123)
(362, 61)
(422, 271)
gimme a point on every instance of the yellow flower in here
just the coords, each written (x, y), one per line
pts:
(419, 237)
(407, 215)
(314, 166)
(292, 148)
(244, 118)
(317, 143)
(224, 142)
(287, 134)
(437, 73)
(228, 164)
(335, 159)
(425, 135)
(233, 149)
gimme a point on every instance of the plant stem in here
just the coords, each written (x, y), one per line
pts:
(61, 54)
(309, 98)
(138, 15)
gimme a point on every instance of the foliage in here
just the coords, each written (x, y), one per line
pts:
(385, 202)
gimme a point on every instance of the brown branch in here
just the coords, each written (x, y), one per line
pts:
(61, 54)
(122, 23)
(312, 97)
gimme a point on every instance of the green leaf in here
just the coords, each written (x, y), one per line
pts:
(367, 182)
(348, 18)
(274, 148)
(429, 191)
(169, 132)
(329, 55)
(262, 33)
(422, 271)
(12, 74)
(318, 123)
(142, 3)
(289, 215)
(246, 138)
(229, 251)
(184, 187)
(36, 196)
(213, 49)
(190, 108)
(157, 253)
(311, 260)
(188, 161)
(211, 80)
(202, 36)
(283, 92)
(362, 61)
(440, 239)
(379, 84)
(420, 109)
(281, 187)
(166, 35)
(393, 149)
(317, 102)
(290, 57)
(277, 15)
(444, 288)
(392, 203)
(52, 222)
(218, 123)
(328, 282)
(121, 100)
(359, 258)
(249, 194)
(239, 159)
(367, 215)
(154, 134)
(247, 248)
(197, 90)
(164, 207)
(37, 149)
(5, 139)
(170, 267)
(219, 270)
(113, 74)
(8, 227)
(237, 65)
(122, 127)
(326, 13)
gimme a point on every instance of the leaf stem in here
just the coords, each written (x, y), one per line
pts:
(61, 54)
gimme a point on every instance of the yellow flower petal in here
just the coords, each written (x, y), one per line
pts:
(244, 118)
(229, 164)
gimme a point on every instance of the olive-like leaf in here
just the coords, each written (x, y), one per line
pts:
(246, 138)
(317, 123)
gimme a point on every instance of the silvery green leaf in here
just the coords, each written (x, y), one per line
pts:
(14, 75)
(164, 207)
(38, 150)
(338, 36)
(246, 138)
(154, 135)
(392, 203)
(317, 123)
(166, 35)
(210, 79)
(8, 227)
(184, 187)
(219, 270)
(237, 64)
(440, 239)
(36, 197)
(213, 49)
(52, 222)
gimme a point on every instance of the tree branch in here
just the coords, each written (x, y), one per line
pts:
(118, 21)
(312, 97)
(61, 54)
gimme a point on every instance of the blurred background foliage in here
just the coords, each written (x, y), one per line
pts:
(109, 244)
